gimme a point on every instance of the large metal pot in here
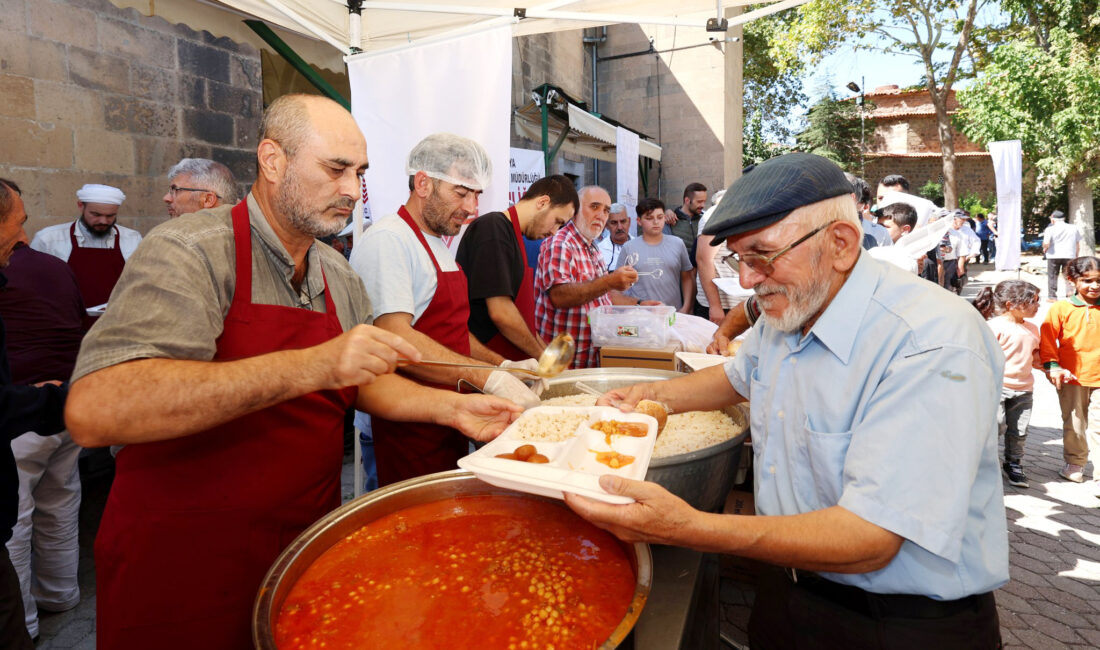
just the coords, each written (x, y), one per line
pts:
(353, 515)
(704, 477)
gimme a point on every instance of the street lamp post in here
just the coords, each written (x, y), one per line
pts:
(862, 102)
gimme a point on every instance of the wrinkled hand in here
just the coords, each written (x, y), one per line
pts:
(483, 417)
(670, 218)
(361, 354)
(657, 516)
(716, 314)
(623, 278)
(627, 397)
(1060, 376)
(719, 345)
(537, 384)
(504, 384)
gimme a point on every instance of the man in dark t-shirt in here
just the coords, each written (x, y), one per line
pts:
(500, 283)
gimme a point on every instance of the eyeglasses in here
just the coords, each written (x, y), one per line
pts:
(175, 189)
(764, 265)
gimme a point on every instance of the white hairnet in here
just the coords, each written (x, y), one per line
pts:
(451, 158)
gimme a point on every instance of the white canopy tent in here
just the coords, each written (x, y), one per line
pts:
(386, 24)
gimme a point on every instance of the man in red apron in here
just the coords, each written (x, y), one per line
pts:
(501, 284)
(232, 350)
(94, 245)
(419, 293)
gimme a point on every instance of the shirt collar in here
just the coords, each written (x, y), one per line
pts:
(312, 285)
(572, 231)
(835, 327)
(1076, 301)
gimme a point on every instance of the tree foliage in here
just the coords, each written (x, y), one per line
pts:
(832, 131)
(772, 84)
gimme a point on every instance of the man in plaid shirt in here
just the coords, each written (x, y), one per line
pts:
(572, 277)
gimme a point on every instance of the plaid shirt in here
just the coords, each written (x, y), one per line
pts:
(567, 258)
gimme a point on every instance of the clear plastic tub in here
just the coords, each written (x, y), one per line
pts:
(632, 326)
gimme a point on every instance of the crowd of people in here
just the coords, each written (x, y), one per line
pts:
(228, 346)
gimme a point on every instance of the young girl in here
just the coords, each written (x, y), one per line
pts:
(1070, 352)
(1005, 307)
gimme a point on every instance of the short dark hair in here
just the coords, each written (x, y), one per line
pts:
(692, 188)
(647, 205)
(993, 301)
(901, 213)
(860, 188)
(8, 192)
(894, 180)
(1079, 266)
(558, 187)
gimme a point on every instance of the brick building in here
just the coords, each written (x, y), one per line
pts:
(902, 138)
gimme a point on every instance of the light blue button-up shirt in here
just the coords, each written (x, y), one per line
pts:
(887, 407)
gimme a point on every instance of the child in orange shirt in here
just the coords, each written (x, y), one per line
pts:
(1005, 307)
(1070, 351)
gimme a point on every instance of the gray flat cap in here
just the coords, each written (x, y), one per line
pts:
(773, 190)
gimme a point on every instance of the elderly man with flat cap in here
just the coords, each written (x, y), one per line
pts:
(94, 245)
(878, 531)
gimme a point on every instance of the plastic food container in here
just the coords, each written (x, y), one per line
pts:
(632, 326)
(573, 457)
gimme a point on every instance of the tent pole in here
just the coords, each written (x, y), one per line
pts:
(297, 62)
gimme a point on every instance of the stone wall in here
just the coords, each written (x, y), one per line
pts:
(973, 173)
(90, 93)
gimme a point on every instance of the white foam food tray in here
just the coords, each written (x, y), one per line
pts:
(573, 466)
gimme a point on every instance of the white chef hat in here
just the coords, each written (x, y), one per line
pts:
(451, 158)
(94, 193)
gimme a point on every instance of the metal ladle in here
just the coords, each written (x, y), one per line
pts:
(555, 358)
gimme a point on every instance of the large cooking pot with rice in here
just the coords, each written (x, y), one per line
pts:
(339, 524)
(702, 477)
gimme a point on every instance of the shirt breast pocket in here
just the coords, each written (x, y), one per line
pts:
(825, 452)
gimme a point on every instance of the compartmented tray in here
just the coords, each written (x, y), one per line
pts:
(572, 448)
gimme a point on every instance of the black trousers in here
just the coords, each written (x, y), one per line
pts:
(13, 624)
(951, 278)
(816, 614)
(1055, 267)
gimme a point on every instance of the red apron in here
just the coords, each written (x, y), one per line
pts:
(525, 300)
(407, 449)
(97, 271)
(193, 524)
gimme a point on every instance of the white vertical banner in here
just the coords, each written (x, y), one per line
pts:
(460, 85)
(525, 167)
(1008, 167)
(626, 173)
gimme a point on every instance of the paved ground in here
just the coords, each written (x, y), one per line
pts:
(1052, 600)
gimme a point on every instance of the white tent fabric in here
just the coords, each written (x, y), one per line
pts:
(390, 23)
(1008, 167)
(398, 98)
(626, 173)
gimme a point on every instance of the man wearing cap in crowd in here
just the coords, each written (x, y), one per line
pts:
(1060, 244)
(419, 292)
(94, 245)
(198, 184)
(875, 537)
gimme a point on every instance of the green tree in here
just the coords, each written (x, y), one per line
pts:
(925, 29)
(832, 131)
(772, 82)
(1043, 88)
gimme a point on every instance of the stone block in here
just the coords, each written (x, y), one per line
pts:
(192, 91)
(151, 82)
(155, 156)
(104, 152)
(241, 162)
(245, 72)
(203, 60)
(18, 94)
(215, 128)
(239, 102)
(220, 42)
(53, 193)
(32, 144)
(136, 43)
(129, 115)
(144, 200)
(14, 17)
(27, 56)
(68, 104)
(99, 71)
(247, 131)
(61, 22)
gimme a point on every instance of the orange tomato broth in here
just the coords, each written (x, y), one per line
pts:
(470, 572)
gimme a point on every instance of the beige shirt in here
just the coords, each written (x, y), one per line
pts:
(175, 292)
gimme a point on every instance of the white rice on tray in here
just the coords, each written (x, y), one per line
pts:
(549, 427)
(684, 432)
